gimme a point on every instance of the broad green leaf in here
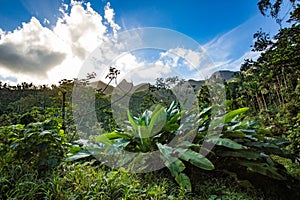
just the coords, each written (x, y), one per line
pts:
(171, 127)
(146, 117)
(157, 121)
(103, 139)
(164, 149)
(143, 132)
(171, 107)
(262, 168)
(174, 118)
(279, 142)
(132, 121)
(248, 131)
(45, 133)
(74, 149)
(116, 148)
(225, 142)
(175, 167)
(79, 155)
(157, 108)
(187, 144)
(197, 159)
(262, 144)
(229, 116)
(121, 144)
(205, 111)
(242, 154)
(234, 134)
(264, 131)
(173, 163)
(235, 126)
(184, 181)
(115, 135)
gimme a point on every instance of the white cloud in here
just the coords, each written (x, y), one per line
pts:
(1, 33)
(46, 21)
(140, 72)
(82, 29)
(127, 63)
(109, 16)
(32, 49)
(235, 65)
(187, 63)
(36, 53)
(148, 73)
(188, 57)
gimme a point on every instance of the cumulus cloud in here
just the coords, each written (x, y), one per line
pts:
(127, 63)
(36, 53)
(1, 33)
(109, 16)
(148, 73)
(32, 60)
(8, 78)
(140, 71)
(82, 29)
(29, 49)
(191, 58)
(50, 54)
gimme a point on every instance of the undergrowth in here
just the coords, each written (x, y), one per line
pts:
(88, 181)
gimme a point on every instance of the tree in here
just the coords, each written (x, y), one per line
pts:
(273, 7)
(270, 84)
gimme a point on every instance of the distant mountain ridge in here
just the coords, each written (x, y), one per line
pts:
(226, 75)
(124, 85)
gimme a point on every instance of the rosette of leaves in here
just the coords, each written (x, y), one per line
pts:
(143, 132)
(164, 130)
(243, 146)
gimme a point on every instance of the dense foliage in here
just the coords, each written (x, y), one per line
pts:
(249, 151)
(272, 83)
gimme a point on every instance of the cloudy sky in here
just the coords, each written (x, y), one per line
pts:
(44, 41)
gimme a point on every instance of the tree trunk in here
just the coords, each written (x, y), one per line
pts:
(63, 110)
(258, 101)
(263, 98)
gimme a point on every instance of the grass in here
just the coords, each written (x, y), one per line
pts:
(88, 181)
(225, 189)
(292, 168)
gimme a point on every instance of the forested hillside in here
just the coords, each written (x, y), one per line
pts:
(246, 147)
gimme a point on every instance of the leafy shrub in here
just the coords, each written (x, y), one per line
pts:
(41, 145)
(26, 118)
(240, 146)
(244, 150)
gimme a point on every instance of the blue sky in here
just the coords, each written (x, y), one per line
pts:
(201, 20)
(28, 27)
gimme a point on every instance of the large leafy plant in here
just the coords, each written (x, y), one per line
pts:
(163, 130)
(243, 146)
(238, 143)
(40, 145)
(142, 133)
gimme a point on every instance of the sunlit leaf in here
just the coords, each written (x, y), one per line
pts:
(225, 142)
(197, 159)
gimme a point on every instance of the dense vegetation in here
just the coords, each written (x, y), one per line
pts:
(256, 137)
